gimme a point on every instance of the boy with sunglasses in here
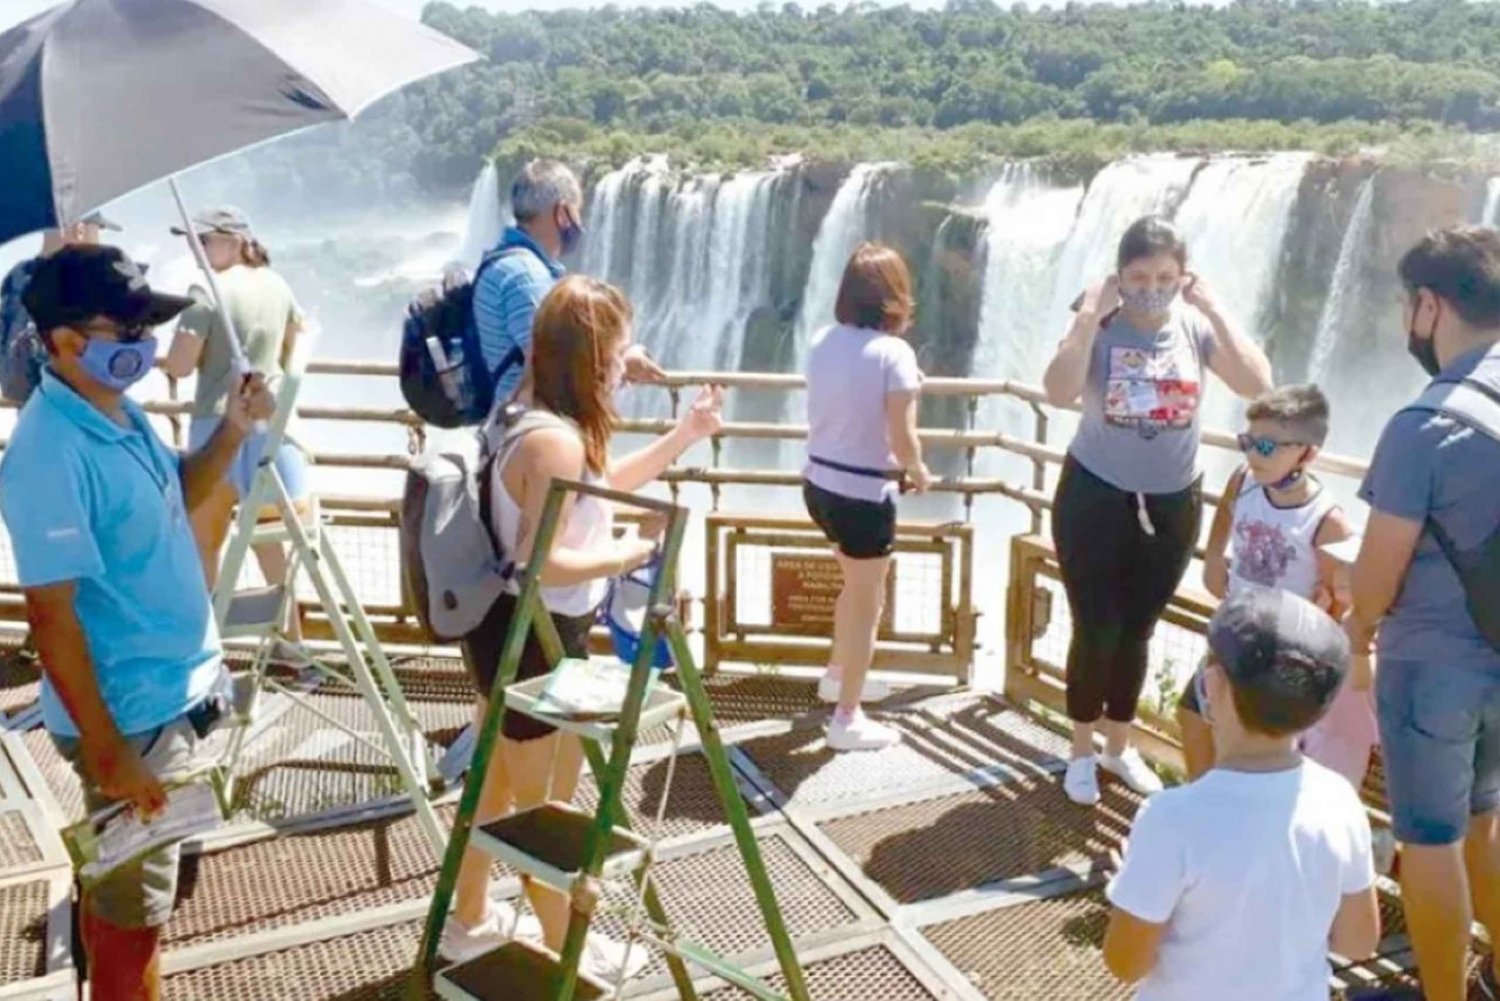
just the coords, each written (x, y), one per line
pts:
(1269, 530)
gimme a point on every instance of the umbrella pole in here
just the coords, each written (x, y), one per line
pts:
(236, 350)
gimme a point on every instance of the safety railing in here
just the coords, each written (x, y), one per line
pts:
(364, 527)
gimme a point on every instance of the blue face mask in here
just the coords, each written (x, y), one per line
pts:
(118, 365)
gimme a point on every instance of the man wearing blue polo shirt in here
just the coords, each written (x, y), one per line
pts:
(547, 202)
(96, 506)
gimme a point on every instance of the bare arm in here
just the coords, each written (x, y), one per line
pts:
(289, 341)
(1356, 926)
(901, 427)
(702, 419)
(1236, 359)
(540, 458)
(60, 640)
(1384, 556)
(182, 357)
(1216, 563)
(1336, 527)
(1131, 945)
(204, 469)
(1069, 369)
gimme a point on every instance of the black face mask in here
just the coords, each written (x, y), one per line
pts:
(1424, 349)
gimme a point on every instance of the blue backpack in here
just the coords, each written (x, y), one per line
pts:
(22, 354)
(443, 376)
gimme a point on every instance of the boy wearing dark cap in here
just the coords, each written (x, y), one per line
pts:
(96, 506)
(1236, 886)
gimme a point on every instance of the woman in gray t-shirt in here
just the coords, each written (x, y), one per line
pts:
(1128, 504)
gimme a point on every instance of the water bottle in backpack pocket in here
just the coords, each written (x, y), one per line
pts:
(442, 371)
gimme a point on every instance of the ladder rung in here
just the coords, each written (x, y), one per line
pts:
(661, 705)
(254, 612)
(547, 843)
(517, 971)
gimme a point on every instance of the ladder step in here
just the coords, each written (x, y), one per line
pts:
(547, 843)
(254, 612)
(274, 530)
(517, 971)
(661, 705)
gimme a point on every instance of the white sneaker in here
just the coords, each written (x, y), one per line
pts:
(1082, 781)
(604, 958)
(861, 734)
(874, 691)
(1132, 769)
(294, 656)
(459, 944)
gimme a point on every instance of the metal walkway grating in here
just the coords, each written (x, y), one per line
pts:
(692, 803)
(23, 930)
(368, 966)
(942, 745)
(874, 974)
(20, 682)
(932, 848)
(1043, 949)
(18, 846)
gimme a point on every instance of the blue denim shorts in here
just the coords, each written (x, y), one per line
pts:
(1440, 727)
(291, 463)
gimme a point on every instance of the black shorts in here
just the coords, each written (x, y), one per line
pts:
(862, 530)
(484, 645)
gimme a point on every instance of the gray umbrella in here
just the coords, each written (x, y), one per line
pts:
(100, 97)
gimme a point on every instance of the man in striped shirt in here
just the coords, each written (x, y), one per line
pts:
(547, 202)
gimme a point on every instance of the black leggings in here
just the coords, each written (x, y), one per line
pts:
(1119, 579)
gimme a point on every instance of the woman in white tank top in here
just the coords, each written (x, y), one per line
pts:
(579, 340)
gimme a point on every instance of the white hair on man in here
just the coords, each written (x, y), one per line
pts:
(541, 185)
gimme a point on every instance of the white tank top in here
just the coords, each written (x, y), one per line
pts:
(590, 526)
(1276, 546)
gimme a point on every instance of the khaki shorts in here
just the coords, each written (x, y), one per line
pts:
(141, 894)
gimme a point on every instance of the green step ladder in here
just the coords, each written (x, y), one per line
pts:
(573, 851)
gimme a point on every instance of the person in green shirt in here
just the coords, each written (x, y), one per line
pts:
(267, 323)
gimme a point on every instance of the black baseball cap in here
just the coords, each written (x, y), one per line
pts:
(1258, 628)
(81, 282)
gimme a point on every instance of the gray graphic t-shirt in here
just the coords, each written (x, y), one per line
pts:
(1140, 426)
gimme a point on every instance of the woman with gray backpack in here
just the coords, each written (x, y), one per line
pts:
(580, 338)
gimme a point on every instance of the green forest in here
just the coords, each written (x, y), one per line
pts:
(944, 87)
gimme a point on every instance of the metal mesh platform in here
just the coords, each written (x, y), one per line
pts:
(1045, 949)
(291, 880)
(709, 900)
(368, 966)
(875, 974)
(693, 805)
(18, 845)
(23, 930)
(929, 849)
(941, 744)
(754, 698)
(20, 681)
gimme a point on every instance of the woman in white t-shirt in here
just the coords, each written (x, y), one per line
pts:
(579, 341)
(862, 389)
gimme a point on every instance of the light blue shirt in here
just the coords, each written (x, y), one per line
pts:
(88, 501)
(1426, 466)
(506, 298)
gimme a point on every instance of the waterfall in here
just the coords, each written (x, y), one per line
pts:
(842, 229)
(1027, 221)
(1235, 220)
(487, 219)
(1344, 288)
(1491, 213)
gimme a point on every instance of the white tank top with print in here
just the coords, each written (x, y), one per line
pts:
(590, 526)
(1276, 546)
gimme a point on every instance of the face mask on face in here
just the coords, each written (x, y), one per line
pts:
(118, 365)
(569, 232)
(1148, 302)
(1423, 349)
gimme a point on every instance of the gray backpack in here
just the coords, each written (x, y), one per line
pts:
(453, 564)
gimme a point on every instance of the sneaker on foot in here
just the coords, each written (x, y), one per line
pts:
(604, 958)
(860, 733)
(529, 928)
(294, 656)
(874, 691)
(459, 943)
(1132, 769)
(1081, 783)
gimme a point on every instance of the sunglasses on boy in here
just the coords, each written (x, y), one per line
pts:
(1264, 446)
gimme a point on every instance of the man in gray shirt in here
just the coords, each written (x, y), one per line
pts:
(1438, 683)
